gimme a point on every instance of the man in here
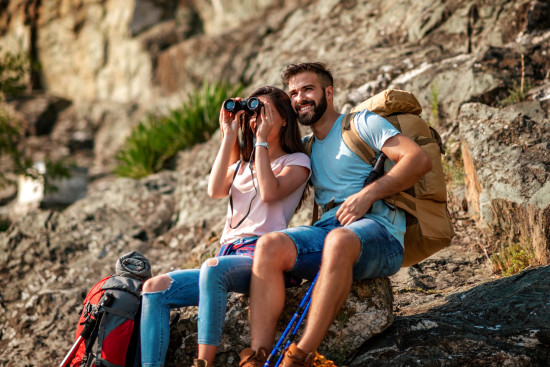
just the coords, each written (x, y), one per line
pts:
(347, 243)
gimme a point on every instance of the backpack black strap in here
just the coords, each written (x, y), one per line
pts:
(91, 328)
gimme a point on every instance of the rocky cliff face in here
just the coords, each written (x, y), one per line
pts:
(105, 64)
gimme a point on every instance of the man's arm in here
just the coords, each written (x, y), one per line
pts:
(411, 163)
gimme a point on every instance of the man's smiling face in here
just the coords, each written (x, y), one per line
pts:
(308, 97)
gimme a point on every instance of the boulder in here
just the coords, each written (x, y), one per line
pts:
(114, 60)
(506, 155)
(38, 112)
(50, 259)
(366, 313)
(500, 323)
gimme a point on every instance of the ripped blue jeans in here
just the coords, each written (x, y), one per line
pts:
(206, 287)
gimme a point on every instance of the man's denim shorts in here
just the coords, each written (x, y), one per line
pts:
(381, 253)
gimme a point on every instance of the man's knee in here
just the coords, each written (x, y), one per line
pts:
(342, 244)
(276, 249)
(158, 283)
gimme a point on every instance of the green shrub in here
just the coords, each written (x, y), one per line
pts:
(434, 120)
(145, 150)
(159, 137)
(453, 167)
(17, 163)
(516, 94)
(13, 70)
(512, 259)
(10, 136)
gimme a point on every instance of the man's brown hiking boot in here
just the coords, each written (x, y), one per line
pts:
(252, 358)
(295, 357)
(199, 363)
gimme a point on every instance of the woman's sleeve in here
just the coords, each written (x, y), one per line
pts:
(299, 159)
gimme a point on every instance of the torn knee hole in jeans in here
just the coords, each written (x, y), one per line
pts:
(212, 262)
(160, 290)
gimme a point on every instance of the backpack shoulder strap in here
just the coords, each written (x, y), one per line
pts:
(354, 141)
(308, 144)
(308, 147)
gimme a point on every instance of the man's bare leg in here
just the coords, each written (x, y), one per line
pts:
(208, 353)
(341, 251)
(275, 253)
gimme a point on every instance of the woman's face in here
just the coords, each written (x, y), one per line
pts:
(273, 116)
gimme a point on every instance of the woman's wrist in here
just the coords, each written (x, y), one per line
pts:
(264, 144)
(230, 135)
(261, 139)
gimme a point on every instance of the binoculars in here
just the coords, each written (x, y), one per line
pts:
(250, 105)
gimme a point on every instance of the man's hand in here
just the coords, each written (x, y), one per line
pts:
(353, 208)
(411, 164)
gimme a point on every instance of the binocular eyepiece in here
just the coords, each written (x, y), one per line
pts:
(250, 105)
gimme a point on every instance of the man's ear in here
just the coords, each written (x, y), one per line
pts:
(329, 92)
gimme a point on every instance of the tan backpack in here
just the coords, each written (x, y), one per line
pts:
(429, 227)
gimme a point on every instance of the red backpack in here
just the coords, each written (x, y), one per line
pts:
(108, 329)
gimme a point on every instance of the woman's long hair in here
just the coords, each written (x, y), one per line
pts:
(291, 140)
(290, 137)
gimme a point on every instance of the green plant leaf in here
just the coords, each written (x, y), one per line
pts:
(159, 137)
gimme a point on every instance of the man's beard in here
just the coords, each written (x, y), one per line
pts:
(314, 115)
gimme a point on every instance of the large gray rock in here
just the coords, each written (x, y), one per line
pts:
(49, 260)
(506, 156)
(123, 51)
(500, 323)
(366, 313)
(52, 259)
(219, 16)
(134, 56)
(145, 55)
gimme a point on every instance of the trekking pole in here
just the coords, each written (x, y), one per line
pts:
(294, 332)
(298, 317)
(89, 326)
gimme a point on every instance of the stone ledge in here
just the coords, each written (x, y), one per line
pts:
(367, 312)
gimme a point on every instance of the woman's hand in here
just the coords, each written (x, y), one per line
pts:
(229, 123)
(221, 175)
(264, 122)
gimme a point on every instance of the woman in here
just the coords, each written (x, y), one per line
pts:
(274, 167)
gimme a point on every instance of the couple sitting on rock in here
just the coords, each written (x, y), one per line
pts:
(265, 186)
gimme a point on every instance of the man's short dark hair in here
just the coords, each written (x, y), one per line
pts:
(323, 73)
